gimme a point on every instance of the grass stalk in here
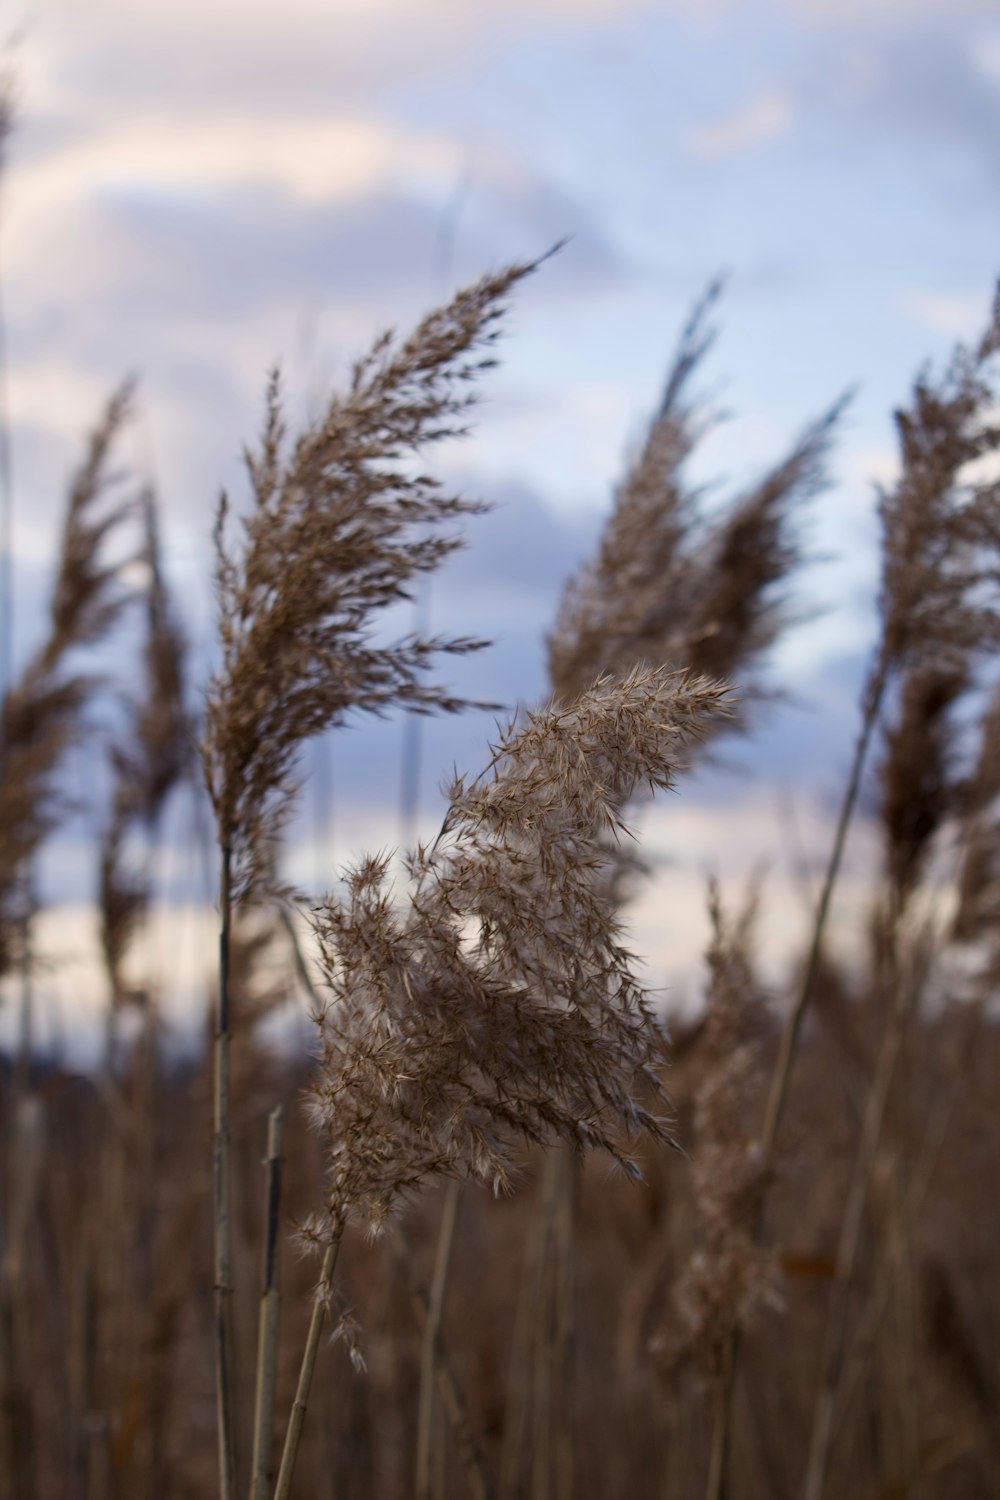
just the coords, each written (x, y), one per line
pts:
(478, 1476)
(267, 1340)
(431, 1343)
(722, 1419)
(835, 1337)
(544, 1325)
(778, 1094)
(565, 1324)
(293, 1437)
(520, 1381)
(777, 1097)
(221, 1185)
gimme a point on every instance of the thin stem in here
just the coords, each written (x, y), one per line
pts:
(722, 1417)
(545, 1343)
(522, 1396)
(917, 1191)
(874, 694)
(835, 1338)
(298, 1414)
(565, 1324)
(224, 1373)
(875, 688)
(267, 1340)
(432, 1342)
(480, 1480)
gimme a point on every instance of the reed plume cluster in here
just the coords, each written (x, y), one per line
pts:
(340, 527)
(728, 1275)
(488, 1022)
(674, 584)
(500, 1008)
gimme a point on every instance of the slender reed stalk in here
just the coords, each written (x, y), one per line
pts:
(544, 1335)
(722, 1417)
(531, 1306)
(267, 1338)
(564, 1446)
(221, 1204)
(936, 528)
(835, 1337)
(917, 794)
(431, 1343)
(477, 1473)
(338, 531)
(874, 697)
(916, 1189)
(293, 1437)
(670, 585)
(938, 604)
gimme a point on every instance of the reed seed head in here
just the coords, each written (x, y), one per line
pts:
(341, 524)
(500, 1006)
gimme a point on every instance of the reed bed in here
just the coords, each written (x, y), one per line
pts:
(514, 1284)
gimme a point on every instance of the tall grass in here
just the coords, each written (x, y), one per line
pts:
(802, 1300)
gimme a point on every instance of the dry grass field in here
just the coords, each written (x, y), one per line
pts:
(500, 1236)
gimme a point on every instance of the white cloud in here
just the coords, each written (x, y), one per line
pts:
(766, 117)
(314, 160)
(959, 314)
(865, 466)
(984, 51)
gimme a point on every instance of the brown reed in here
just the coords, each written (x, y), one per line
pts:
(340, 526)
(501, 1008)
(41, 716)
(673, 584)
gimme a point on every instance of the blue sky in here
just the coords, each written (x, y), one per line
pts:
(197, 189)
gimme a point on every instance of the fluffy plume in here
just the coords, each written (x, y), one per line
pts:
(500, 1007)
(670, 586)
(148, 767)
(729, 1275)
(340, 526)
(42, 711)
(941, 536)
(918, 785)
(979, 866)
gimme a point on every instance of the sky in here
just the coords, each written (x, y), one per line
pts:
(195, 191)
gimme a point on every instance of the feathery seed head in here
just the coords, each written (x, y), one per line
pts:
(40, 715)
(729, 1275)
(340, 527)
(669, 585)
(499, 1006)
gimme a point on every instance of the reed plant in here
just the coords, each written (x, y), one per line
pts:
(802, 1299)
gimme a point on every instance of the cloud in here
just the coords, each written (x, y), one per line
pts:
(925, 87)
(300, 54)
(313, 159)
(959, 314)
(766, 117)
